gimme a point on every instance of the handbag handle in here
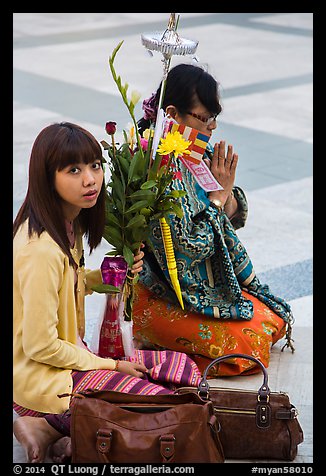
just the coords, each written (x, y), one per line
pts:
(104, 438)
(263, 392)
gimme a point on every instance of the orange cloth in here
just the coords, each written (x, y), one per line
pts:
(158, 323)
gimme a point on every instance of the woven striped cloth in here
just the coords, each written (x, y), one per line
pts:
(167, 370)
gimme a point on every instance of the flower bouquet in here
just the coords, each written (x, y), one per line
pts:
(136, 191)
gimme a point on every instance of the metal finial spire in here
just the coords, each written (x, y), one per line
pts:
(169, 43)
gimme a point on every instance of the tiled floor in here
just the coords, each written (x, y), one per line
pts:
(263, 62)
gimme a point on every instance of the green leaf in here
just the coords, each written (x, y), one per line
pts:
(155, 166)
(113, 236)
(111, 219)
(177, 193)
(137, 206)
(136, 221)
(113, 252)
(136, 169)
(128, 255)
(162, 172)
(125, 137)
(119, 206)
(135, 247)
(157, 216)
(145, 211)
(118, 188)
(105, 288)
(125, 164)
(143, 195)
(177, 209)
(149, 184)
(140, 234)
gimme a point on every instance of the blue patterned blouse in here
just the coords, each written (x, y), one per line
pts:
(213, 265)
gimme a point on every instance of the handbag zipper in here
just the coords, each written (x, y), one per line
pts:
(227, 410)
(237, 390)
(244, 390)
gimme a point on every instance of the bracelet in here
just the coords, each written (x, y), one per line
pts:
(116, 365)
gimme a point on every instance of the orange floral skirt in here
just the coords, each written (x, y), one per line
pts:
(159, 324)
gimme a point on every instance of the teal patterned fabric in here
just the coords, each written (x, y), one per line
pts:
(213, 265)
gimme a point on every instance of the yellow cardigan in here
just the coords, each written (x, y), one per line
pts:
(47, 319)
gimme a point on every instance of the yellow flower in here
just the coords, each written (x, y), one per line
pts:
(148, 133)
(174, 143)
(131, 134)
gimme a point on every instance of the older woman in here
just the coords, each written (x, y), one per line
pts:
(227, 309)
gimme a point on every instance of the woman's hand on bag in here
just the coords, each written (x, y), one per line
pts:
(223, 166)
(132, 368)
(138, 261)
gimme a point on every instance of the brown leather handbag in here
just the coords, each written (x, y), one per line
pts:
(254, 424)
(114, 427)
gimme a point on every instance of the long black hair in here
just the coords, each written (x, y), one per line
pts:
(186, 84)
(55, 147)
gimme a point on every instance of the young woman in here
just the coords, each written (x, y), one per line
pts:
(227, 309)
(65, 202)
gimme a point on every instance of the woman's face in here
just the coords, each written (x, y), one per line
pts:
(199, 119)
(78, 186)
